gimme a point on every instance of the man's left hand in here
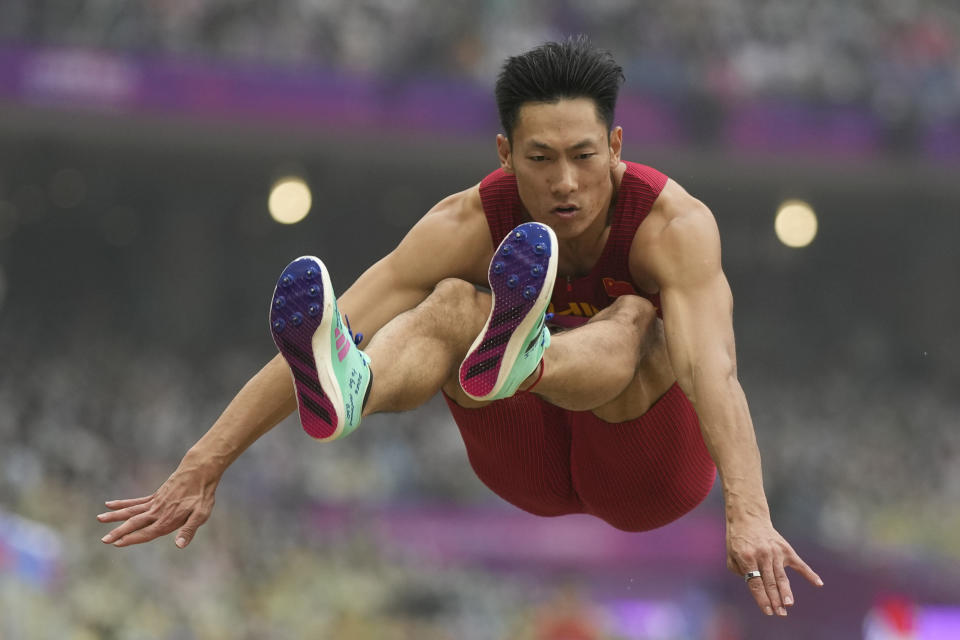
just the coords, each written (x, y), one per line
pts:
(754, 545)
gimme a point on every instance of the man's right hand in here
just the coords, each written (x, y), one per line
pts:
(183, 502)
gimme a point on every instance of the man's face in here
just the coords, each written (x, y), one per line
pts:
(563, 159)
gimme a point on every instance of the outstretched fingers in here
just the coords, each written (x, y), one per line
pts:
(146, 534)
(129, 502)
(189, 529)
(783, 584)
(794, 560)
(769, 570)
(124, 513)
(759, 593)
(771, 590)
(145, 527)
(135, 523)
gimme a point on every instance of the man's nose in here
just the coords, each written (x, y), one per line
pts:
(565, 180)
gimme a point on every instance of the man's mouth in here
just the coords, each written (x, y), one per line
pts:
(566, 211)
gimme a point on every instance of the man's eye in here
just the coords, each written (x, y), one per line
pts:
(538, 158)
(584, 156)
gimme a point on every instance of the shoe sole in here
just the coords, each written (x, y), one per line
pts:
(514, 311)
(301, 311)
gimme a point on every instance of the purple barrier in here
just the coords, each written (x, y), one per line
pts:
(515, 538)
(648, 121)
(68, 77)
(775, 127)
(311, 97)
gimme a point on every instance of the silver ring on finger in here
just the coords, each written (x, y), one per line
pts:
(751, 574)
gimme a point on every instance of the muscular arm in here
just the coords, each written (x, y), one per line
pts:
(698, 323)
(682, 254)
(451, 240)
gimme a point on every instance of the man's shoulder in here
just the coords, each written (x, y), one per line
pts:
(462, 213)
(451, 240)
(674, 210)
(647, 177)
(642, 170)
(498, 177)
(679, 227)
(461, 203)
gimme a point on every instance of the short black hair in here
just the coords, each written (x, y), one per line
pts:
(556, 70)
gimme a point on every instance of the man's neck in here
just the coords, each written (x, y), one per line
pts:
(578, 255)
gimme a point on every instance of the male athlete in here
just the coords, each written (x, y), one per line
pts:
(621, 412)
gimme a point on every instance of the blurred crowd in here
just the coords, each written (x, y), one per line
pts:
(898, 57)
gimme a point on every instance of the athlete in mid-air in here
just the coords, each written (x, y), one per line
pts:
(597, 373)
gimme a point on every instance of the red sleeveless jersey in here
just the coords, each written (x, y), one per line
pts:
(576, 299)
(636, 475)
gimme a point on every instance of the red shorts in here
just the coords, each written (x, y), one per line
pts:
(636, 475)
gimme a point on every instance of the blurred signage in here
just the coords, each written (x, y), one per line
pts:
(29, 550)
(515, 538)
(79, 76)
(897, 618)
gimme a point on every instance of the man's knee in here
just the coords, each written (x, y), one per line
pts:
(453, 291)
(631, 305)
(632, 311)
(457, 299)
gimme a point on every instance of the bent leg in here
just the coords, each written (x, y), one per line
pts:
(417, 352)
(613, 364)
(601, 365)
(590, 366)
(653, 379)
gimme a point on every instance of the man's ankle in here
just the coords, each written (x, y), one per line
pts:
(532, 380)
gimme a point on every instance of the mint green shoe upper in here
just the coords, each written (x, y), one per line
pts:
(535, 344)
(351, 368)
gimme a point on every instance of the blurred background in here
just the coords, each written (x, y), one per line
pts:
(147, 152)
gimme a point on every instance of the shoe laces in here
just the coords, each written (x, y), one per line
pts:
(357, 339)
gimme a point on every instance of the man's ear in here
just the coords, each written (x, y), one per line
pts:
(616, 144)
(504, 152)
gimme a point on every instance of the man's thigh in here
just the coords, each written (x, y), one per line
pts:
(653, 379)
(452, 387)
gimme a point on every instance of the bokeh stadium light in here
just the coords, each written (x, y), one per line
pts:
(290, 200)
(795, 224)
